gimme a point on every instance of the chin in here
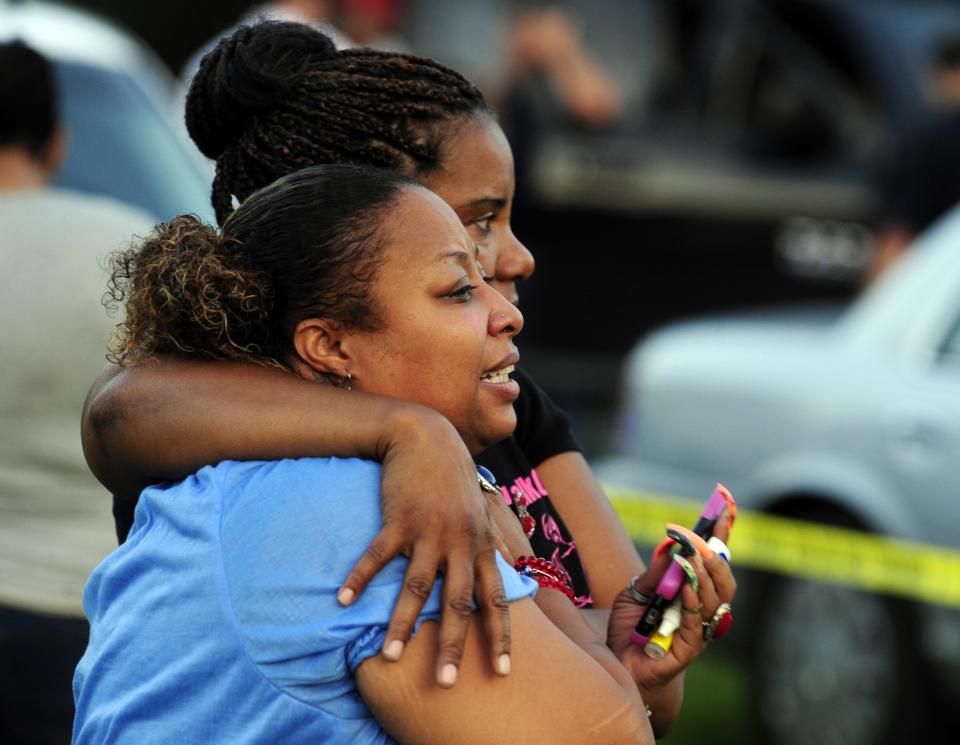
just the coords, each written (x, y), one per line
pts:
(496, 431)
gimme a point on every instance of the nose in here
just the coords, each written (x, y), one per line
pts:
(505, 317)
(514, 262)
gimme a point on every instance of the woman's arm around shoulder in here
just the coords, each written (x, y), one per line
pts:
(167, 417)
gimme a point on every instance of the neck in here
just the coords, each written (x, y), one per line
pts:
(19, 170)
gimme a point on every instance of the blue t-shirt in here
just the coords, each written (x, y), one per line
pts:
(217, 620)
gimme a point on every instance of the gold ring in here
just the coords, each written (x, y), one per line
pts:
(696, 610)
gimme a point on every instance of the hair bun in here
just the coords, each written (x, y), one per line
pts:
(248, 72)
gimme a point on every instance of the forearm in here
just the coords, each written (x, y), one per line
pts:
(664, 701)
(606, 550)
(568, 619)
(165, 418)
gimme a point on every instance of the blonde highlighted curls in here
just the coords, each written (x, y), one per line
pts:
(188, 290)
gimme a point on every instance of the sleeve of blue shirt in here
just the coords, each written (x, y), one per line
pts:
(290, 532)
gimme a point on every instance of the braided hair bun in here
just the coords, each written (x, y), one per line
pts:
(247, 74)
(276, 97)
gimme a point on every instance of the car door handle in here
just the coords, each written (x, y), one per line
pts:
(914, 435)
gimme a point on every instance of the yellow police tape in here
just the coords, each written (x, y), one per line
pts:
(912, 570)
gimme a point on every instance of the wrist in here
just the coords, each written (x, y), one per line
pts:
(409, 425)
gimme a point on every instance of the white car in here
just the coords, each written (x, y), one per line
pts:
(119, 102)
(845, 416)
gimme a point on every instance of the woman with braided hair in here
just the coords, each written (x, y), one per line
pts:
(276, 97)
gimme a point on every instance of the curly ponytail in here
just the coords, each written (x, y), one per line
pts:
(307, 246)
(188, 290)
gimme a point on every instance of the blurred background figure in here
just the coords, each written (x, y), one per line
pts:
(923, 181)
(55, 522)
(361, 23)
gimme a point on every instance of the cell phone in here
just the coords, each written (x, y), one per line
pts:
(719, 503)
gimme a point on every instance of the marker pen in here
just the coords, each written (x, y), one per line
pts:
(719, 547)
(718, 503)
(673, 578)
(658, 645)
(665, 593)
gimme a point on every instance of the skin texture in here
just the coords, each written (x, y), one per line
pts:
(166, 418)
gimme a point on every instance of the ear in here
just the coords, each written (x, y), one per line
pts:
(317, 342)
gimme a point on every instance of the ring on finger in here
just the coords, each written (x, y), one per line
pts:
(719, 623)
(638, 597)
(688, 570)
(693, 611)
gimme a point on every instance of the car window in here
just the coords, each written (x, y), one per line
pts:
(122, 147)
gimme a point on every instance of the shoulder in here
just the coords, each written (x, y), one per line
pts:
(95, 207)
(322, 494)
(97, 221)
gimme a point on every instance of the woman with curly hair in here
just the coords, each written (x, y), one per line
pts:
(217, 619)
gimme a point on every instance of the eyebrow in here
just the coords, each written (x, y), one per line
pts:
(493, 203)
(459, 255)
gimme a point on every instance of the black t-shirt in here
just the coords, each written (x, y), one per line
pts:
(543, 430)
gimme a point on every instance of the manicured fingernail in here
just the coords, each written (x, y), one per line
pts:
(665, 545)
(697, 541)
(503, 664)
(345, 596)
(393, 649)
(448, 676)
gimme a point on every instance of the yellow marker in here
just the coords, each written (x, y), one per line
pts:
(658, 645)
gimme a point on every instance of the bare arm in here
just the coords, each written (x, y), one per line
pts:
(167, 417)
(605, 548)
(557, 691)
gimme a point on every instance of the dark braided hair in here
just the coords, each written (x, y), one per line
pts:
(277, 96)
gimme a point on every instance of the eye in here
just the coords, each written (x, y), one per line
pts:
(483, 273)
(483, 223)
(463, 294)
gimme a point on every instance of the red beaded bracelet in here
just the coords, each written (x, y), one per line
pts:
(545, 573)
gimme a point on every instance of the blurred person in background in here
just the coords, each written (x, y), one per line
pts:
(923, 180)
(312, 105)
(349, 23)
(52, 511)
(507, 47)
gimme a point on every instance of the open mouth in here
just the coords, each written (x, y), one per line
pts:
(498, 376)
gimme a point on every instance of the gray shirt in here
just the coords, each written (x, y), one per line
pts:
(55, 521)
